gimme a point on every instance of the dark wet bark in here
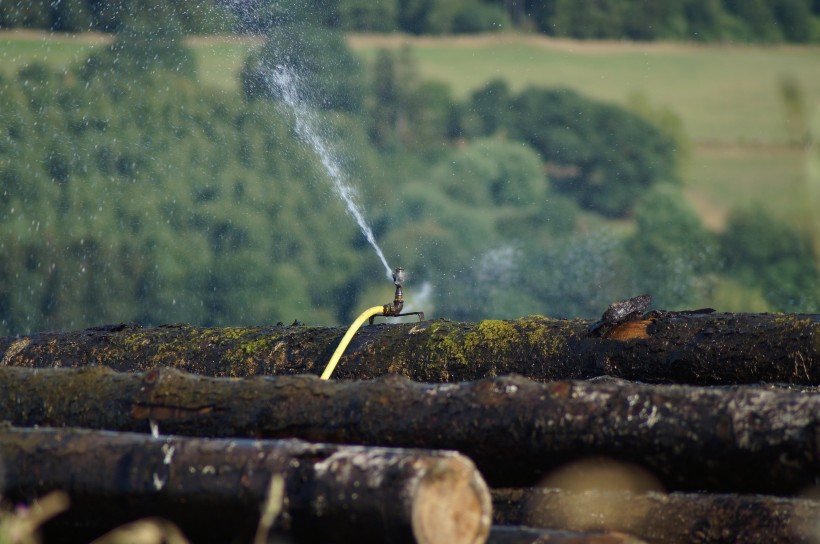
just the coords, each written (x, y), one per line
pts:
(740, 439)
(673, 348)
(675, 518)
(531, 535)
(215, 489)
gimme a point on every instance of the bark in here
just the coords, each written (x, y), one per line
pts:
(675, 518)
(215, 489)
(738, 439)
(531, 535)
(668, 348)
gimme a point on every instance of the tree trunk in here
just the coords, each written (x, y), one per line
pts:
(669, 348)
(739, 439)
(675, 518)
(215, 489)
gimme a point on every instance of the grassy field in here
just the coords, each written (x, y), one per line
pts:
(723, 93)
(728, 97)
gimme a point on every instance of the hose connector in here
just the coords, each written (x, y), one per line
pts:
(388, 310)
(394, 309)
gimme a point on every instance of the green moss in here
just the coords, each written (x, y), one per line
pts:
(547, 336)
(794, 321)
(493, 336)
(461, 344)
(449, 346)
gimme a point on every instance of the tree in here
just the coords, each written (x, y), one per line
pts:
(608, 157)
(493, 172)
(576, 276)
(794, 19)
(365, 15)
(308, 61)
(406, 113)
(413, 15)
(764, 252)
(488, 109)
(141, 196)
(671, 251)
(598, 19)
(148, 37)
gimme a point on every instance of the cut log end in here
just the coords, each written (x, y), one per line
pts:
(452, 504)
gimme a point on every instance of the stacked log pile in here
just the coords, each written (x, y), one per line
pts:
(718, 415)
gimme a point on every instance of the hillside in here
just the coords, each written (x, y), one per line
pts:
(729, 98)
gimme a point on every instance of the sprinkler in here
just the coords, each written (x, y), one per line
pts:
(392, 309)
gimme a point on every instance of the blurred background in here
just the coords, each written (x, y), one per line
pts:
(516, 157)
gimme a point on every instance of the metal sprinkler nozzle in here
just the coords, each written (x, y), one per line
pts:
(398, 276)
(398, 300)
(394, 308)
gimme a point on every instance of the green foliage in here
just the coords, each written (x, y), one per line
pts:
(190, 16)
(157, 200)
(368, 16)
(493, 172)
(455, 16)
(141, 45)
(666, 120)
(711, 20)
(488, 109)
(328, 73)
(779, 260)
(579, 276)
(602, 155)
(671, 250)
(607, 156)
(464, 16)
(137, 194)
(701, 20)
(413, 15)
(262, 16)
(481, 17)
(405, 113)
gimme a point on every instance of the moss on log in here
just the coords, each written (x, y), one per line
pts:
(665, 348)
(216, 489)
(742, 438)
(674, 518)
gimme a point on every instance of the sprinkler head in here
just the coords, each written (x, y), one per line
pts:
(398, 276)
(394, 308)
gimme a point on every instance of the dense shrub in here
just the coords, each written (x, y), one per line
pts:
(368, 16)
(702, 20)
(493, 173)
(145, 198)
(671, 251)
(774, 257)
(709, 20)
(315, 64)
(405, 113)
(605, 156)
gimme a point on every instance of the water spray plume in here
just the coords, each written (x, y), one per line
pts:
(286, 82)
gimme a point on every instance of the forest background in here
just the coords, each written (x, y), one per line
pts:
(515, 157)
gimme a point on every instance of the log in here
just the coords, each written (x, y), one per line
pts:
(756, 439)
(674, 518)
(215, 489)
(697, 349)
(531, 535)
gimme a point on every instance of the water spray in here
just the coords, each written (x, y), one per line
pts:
(287, 82)
(392, 309)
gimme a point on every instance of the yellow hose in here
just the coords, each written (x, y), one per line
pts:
(367, 314)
